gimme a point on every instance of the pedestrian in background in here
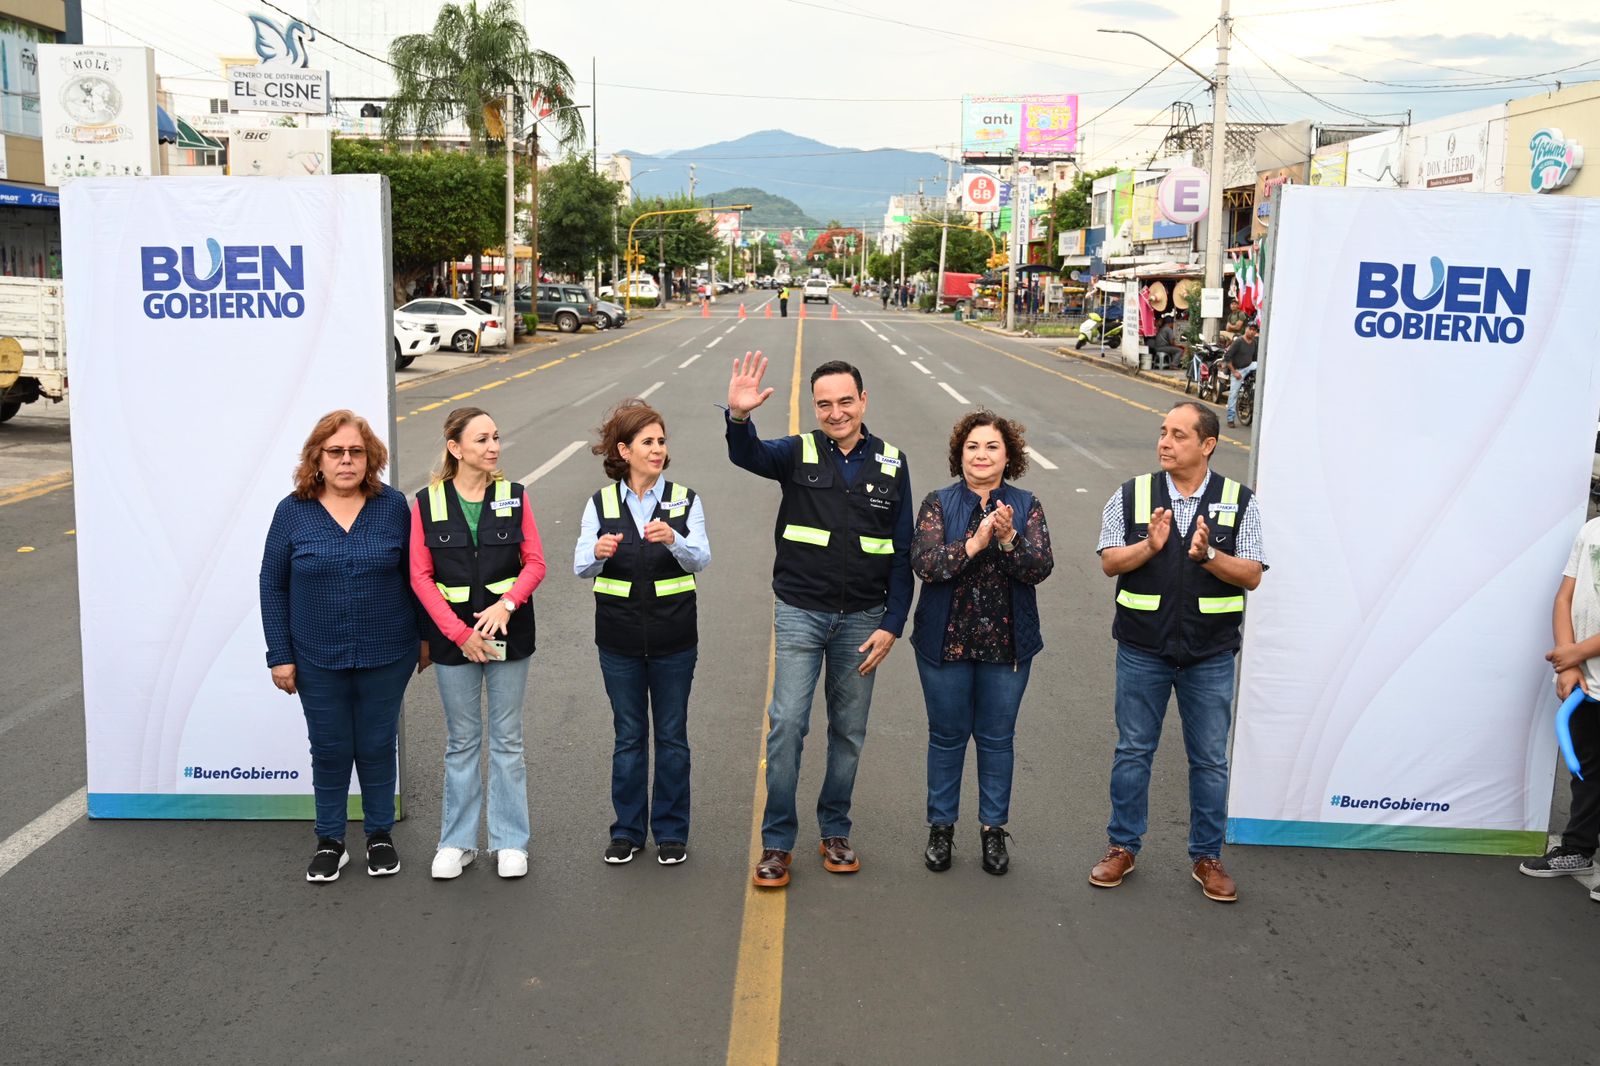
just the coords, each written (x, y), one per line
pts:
(1184, 544)
(642, 539)
(341, 629)
(1575, 623)
(1241, 360)
(842, 579)
(980, 548)
(476, 559)
(783, 302)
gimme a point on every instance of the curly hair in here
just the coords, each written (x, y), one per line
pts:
(624, 423)
(1010, 432)
(306, 483)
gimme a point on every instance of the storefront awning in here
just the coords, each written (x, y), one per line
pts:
(24, 196)
(189, 137)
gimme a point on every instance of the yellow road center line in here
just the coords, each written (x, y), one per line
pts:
(1077, 381)
(753, 1034)
(37, 487)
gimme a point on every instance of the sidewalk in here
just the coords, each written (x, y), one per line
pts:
(441, 363)
(1110, 359)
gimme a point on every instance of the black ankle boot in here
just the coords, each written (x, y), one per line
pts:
(941, 839)
(995, 859)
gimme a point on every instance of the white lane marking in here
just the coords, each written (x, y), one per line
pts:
(1041, 460)
(1080, 490)
(43, 829)
(714, 343)
(730, 329)
(1081, 450)
(922, 368)
(869, 325)
(697, 336)
(996, 395)
(601, 391)
(884, 339)
(892, 329)
(645, 395)
(551, 463)
(924, 347)
(685, 364)
(897, 348)
(35, 708)
(654, 361)
(954, 394)
(952, 366)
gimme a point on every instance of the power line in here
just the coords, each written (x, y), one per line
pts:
(1314, 96)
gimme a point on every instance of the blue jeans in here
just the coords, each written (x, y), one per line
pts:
(461, 690)
(643, 690)
(353, 717)
(806, 642)
(971, 701)
(1205, 704)
(1234, 385)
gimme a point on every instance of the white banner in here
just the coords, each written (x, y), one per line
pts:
(213, 322)
(1427, 424)
(99, 112)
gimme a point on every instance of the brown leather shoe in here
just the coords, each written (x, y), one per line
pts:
(1214, 881)
(837, 857)
(773, 869)
(1109, 871)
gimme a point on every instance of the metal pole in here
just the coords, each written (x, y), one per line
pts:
(507, 126)
(1019, 218)
(533, 212)
(944, 236)
(1219, 138)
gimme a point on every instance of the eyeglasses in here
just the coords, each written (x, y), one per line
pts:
(340, 453)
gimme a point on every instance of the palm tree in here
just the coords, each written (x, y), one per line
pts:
(463, 70)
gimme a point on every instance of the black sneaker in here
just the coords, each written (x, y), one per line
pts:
(941, 840)
(1559, 861)
(328, 861)
(382, 859)
(671, 853)
(995, 859)
(620, 850)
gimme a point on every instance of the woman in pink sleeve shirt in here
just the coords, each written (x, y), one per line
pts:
(475, 561)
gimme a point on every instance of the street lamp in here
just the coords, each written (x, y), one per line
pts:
(1219, 134)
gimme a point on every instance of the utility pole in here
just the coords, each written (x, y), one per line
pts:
(533, 202)
(1219, 141)
(508, 127)
(944, 236)
(1021, 204)
(691, 183)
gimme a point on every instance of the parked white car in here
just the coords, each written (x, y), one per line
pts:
(413, 337)
(460, 324)
(642, 289)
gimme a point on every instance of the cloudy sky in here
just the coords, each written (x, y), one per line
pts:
(868, 74)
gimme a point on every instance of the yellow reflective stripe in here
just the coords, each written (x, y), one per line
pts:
(1136, 602)
(808, 448)
(1221, 604)
(1230, 494)
(502, 490)
(500, 588)
(1141, 499)
(454, 593)
(877, 546)
(610, 504)
(679, 493)
(889, 452)
(807, 535)
(607, 586)
(437, 510)
(671, 586)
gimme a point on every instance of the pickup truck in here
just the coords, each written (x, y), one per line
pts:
(815, 289)
(31, 316)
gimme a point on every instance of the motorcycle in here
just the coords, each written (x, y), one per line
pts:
(1247, 400)
(1090, 327)
(1213, 370)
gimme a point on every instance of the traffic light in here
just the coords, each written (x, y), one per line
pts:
(998, 259)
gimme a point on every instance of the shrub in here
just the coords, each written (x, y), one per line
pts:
(925, 302)
(530, 321)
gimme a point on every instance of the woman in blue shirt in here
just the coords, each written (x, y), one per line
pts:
(341, 629)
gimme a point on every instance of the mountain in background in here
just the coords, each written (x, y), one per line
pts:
(849, 184)
(767, 211)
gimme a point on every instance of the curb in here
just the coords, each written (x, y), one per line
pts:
(1170, 384)
(487, 360)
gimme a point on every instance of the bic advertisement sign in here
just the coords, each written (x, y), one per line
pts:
(1393, 691)
(265, 304)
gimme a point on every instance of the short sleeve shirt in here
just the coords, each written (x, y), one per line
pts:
(1583, 566)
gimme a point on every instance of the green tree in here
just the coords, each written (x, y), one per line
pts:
(883, 266)
(967, 251)
(1070, 209)
(682, 239)
(577, 209)
(443, 205)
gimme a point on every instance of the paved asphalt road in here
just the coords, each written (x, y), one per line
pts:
(194, 942)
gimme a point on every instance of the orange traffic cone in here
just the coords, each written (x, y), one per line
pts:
(741, 311)
(705, 308)
(769, 310)
(802, 309)
(834, 314)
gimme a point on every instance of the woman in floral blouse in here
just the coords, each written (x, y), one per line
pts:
(981, 546)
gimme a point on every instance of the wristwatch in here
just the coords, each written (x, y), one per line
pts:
(1009, 545)
(1211, 553)
(510, 607)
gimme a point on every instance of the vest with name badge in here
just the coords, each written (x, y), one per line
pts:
(471, 576)
(644, 601)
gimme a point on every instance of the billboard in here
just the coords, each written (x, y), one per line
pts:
(279, 152)
(99, 112)
(1393, 691)
(213, 279)
(1031, 125)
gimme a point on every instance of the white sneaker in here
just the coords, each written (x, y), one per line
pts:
(513, 863)
(449, 862)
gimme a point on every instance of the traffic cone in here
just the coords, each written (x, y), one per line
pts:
(705, 308)
(835, 313)
(769, 310)
(802, 309)
(741, 310)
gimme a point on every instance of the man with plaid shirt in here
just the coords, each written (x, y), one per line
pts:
(1184, 545)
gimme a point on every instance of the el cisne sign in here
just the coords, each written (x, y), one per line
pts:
(276, 89)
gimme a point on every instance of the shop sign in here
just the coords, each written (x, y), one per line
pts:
(1452, 159)
(1184, 195)
(99, 112)
(1556, 160)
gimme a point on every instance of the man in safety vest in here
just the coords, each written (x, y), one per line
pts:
(783, 302)
(842, 577)
(1184, 544)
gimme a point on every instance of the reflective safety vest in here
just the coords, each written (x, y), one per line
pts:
(835, 543)
(644, 602)
(471, 576)
(1172, 606)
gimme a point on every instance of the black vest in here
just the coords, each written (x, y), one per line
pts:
(644, 602)
(835, 544)
(1172, 606)
(471, 577)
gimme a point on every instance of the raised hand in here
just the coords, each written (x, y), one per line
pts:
(1160, 528)
(1198, 542)
(745, 393)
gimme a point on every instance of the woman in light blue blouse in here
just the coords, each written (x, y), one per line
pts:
(341, 629)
